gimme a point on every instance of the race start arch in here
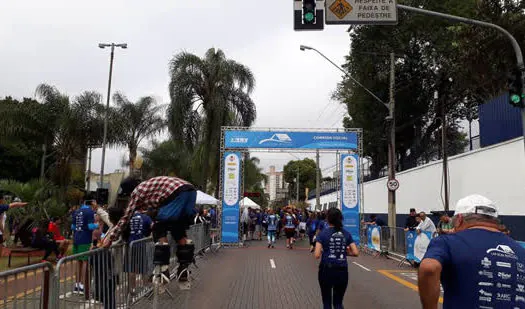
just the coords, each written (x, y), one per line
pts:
(236, 141)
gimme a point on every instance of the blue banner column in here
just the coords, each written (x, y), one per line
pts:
(230, 196)
(350, 194)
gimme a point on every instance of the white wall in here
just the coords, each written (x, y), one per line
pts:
(497, 172)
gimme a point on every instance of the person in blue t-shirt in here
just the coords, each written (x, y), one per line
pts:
(312, 224)
(333, 245)
(290, 224)
(322, 222)
(83, 225)
(478, 265)
(272, 222)
(140, 226)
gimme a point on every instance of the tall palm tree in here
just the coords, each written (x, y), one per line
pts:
(207, 93)
(137, 121)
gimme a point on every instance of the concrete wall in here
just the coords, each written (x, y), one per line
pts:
(497, 172)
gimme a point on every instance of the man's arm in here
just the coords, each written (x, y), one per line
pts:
(104, 216)
(428, 282)
(114, 233)
(4, 208)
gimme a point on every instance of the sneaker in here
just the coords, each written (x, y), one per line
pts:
(269, 245)
(273, 246)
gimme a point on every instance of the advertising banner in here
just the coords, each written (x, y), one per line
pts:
(417, 245)
(289, 140)
(231, 196)
(374, 237)
(350, 194)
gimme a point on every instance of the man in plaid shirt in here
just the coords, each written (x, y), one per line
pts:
(173, 201)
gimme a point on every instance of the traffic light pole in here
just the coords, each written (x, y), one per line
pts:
(515, 45)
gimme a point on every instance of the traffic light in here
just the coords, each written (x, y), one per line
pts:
(308, 12)
(516, 95)
(308, 15)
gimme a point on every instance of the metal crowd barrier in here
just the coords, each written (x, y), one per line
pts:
(112, 278)
(102, 274)
(26, 287)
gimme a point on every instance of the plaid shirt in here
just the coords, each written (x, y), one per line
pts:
(149, 193)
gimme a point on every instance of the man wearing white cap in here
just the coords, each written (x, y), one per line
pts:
(478, 266)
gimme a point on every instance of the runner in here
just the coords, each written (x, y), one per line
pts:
(290, 224)
(333, 245)
(272, 227)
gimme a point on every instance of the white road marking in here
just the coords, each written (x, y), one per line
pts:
(361, 266)
(272, 263)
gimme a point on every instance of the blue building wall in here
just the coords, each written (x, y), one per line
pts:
(499, 121)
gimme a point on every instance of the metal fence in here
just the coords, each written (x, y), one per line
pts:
(26, 287)
(108, 278)
(393, 241)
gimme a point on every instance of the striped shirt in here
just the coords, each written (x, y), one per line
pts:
(150, 193)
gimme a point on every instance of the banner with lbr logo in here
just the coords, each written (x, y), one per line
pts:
(230, 197)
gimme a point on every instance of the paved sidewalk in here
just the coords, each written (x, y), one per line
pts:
(245, 278)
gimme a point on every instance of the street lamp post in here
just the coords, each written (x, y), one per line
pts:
(106, 116)
(392, 133)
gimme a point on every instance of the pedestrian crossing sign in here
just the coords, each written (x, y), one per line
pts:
(341, 8)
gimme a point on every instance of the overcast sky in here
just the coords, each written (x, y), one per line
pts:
(56, 41)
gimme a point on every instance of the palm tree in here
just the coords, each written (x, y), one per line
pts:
(136, 121)
(206, 94)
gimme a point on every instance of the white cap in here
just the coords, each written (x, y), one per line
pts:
(476, 204)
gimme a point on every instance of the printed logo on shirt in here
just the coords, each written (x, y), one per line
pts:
(503, 296)
(487, 274)
(504, 264)
(520, 278)
(520, 267)
(503, 285)
(485, 293)
(485, 299)
(485, 307)
(486, 263)
(520, 288)
(486, 284)
(520, 299)
(504, 276)
(503, 251)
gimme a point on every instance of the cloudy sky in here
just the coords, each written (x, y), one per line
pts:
(55, 42)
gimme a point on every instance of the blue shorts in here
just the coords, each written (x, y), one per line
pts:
(182, 206)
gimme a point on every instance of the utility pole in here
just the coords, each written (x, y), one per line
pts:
(317, 182)
(444, 143)
(392, 151)
(88, 178)
(297, 186)
(106, 118)
(105, 136)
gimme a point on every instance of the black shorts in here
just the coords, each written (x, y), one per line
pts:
(290, 233)
(176, 228)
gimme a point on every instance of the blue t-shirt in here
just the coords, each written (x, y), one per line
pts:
(334, 246)
(258, 217)
(140, 226)
(83, 225)
(289, 224)
(272, 222)
(481, 269)
(313, 226)
(321, 225)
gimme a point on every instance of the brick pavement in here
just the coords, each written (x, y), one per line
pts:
(244, 278)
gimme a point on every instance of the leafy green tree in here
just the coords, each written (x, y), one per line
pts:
(206, 94)
(136, 121)
(307, 169)
(167, 158)
(254, 178)
(465, 64)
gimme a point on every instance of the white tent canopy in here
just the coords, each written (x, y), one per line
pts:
(247, 202)
(205, 199)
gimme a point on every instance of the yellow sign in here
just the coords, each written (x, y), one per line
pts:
(341, 8)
